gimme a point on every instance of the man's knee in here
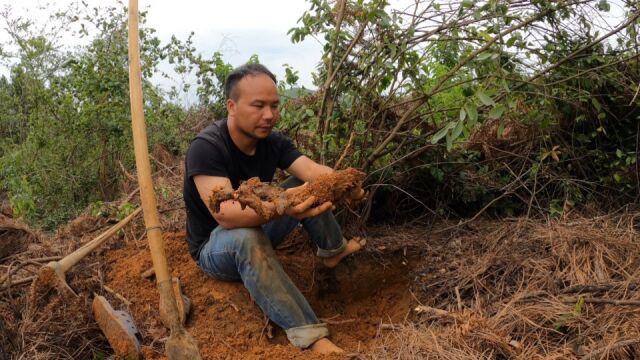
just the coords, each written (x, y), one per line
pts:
(254, 250)
(250, 240)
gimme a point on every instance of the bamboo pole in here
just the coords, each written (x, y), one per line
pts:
(180, 344)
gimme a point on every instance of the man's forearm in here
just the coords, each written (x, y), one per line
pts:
(306, 169)
(232, 216)
(323, 169)
(316, 171)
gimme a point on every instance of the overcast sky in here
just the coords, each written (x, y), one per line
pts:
(238, 29)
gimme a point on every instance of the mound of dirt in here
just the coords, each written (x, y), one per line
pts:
(353, 299)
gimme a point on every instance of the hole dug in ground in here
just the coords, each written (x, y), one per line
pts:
(358, 296)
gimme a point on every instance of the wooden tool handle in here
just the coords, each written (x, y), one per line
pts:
(147, 195)
(68, 261)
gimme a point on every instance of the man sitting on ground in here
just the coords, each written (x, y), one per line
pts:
(237, 245)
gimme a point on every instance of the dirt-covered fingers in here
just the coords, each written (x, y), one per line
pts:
(322, 208)
(297, 211)
(306, 209)
(317, 210)
(304, 206)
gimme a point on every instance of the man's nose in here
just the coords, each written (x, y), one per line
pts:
(268, 113)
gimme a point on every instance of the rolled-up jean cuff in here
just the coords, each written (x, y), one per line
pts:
(305, 336)
(326, 253)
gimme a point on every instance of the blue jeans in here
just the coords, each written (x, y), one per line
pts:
(247, 255)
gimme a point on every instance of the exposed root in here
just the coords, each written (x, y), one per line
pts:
(335, 187)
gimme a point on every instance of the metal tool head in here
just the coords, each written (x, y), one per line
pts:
(59, 274)
(118, 328)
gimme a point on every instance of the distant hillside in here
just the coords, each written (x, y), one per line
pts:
(297, 92)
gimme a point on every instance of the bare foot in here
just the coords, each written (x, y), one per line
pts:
(353, 245)
(325, 346)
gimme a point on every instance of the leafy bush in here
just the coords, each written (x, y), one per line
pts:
(67, 116)
(460, 107)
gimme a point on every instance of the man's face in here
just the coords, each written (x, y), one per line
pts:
(256, 109)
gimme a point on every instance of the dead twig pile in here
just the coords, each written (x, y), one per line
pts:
(40, 322)
(523, 289)
(50, 323)
(15, 236)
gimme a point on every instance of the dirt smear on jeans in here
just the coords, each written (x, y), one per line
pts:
(354, 300)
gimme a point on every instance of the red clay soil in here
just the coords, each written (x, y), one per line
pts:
(354, 299)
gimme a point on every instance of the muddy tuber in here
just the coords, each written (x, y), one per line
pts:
(336, 187)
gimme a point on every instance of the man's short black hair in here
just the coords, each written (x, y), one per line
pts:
(238, 73)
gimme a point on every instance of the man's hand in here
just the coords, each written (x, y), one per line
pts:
(306, 209)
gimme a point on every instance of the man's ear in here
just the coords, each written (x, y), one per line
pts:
(231, 107)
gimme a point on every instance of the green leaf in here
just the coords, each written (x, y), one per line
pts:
(500, 129)
(457, 130)
(497, 111)
(582, 138)
(484, 98)
(484, 56)
(467, 3)
(449, 142)
(472, 113)
(604, 5)
(309, 112)
(440, 134)
(463, 114)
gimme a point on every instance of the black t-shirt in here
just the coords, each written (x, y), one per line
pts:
(213, 153)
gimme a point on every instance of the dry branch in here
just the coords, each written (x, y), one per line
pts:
(599, 352)
(603, 301)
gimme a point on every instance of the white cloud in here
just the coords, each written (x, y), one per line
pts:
(238, 29)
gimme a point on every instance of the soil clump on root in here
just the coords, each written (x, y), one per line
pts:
(335, 187)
